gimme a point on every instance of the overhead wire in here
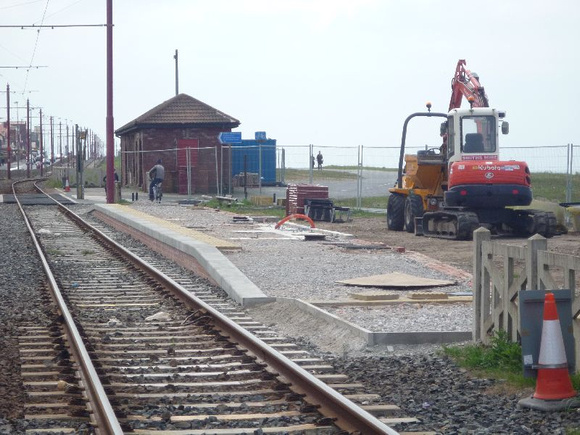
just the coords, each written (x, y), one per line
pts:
(35, 45)
(16, 5)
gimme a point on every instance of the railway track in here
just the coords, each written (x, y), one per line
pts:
(164, 352)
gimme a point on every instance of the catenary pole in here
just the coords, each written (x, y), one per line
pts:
(110, 124)
(8, 150)
(28, 162)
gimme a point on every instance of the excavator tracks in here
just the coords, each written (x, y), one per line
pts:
(459, 225)
(530, 222)
(448, 224)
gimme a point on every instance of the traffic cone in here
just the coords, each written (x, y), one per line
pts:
(553, 382)
(67, 186)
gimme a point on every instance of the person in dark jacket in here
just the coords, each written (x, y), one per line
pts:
(156, 174)
(105, 180)
(319, 160)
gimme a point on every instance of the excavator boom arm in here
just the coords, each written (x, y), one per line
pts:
(466, 84)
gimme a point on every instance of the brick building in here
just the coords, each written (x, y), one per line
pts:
(183, 132)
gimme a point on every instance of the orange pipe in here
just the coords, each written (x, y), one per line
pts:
(297, 216)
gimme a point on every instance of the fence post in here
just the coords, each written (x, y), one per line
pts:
(310, 162)
(535, 243)
(359, 177)
(479, 236)
(569, 174)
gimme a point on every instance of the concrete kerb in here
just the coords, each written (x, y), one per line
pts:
(383, 338)
(216, 265)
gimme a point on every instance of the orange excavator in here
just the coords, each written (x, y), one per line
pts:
(450, 191)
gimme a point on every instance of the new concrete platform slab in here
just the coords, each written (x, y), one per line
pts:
(201, 247)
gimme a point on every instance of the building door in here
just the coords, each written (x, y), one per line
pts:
(187, 157)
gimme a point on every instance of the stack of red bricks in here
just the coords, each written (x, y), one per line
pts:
(297, 193)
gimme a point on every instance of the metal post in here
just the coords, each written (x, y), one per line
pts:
(188, 163)
(67, 148)
(78, 163)
(221, 174)
(230, 169)
(8, 149)
(217, 179)
(283, 167)
(310, 165)
(245, 176)
(569, 174)
(51, 142)
(359, 178)
(27, 138)
(17, 138)
(60, 140)
(41, 147)
(110, 121)
(571, 169)
(176, 73)
(260, 167)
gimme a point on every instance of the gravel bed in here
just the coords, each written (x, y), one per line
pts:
(23, 301)
(409, 317)
(309, 270)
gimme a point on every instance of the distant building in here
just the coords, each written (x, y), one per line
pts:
(183, 132)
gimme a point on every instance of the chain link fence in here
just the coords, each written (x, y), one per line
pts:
(351, 173)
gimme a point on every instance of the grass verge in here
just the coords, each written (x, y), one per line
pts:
(501, 359)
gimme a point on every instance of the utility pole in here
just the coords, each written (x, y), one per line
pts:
(176, 57)
(17, 138)
(67, 150)
(27, 138)
(110, 121)
(41, 147)
(51, 142)
(60, 140)
(8, 164)
(80, 135)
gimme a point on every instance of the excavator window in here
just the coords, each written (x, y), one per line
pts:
(479, 134)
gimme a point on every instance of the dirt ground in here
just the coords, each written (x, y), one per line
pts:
(453, 252)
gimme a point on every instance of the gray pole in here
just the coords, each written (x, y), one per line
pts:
(9, 145)
(176, 57)
(110, 140)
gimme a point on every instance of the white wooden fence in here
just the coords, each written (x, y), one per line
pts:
(500, 271)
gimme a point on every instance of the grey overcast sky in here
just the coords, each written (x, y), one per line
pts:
(322, 72)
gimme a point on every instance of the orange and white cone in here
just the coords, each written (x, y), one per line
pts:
(553, 382)
(66, 186)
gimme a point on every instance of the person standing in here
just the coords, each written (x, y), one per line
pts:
(105, 179)
(156, 174)
(319, 160)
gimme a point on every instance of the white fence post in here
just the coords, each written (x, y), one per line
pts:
(479, 293)
(535, 243)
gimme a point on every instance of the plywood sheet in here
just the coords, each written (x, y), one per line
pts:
(396, 280)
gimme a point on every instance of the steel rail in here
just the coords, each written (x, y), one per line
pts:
(346, 414)
(105, 419)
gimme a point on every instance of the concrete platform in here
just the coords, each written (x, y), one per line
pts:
(171, 240)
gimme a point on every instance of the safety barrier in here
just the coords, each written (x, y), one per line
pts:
(500, 271)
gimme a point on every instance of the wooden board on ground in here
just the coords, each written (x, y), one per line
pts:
(396, 280)
(377, 295)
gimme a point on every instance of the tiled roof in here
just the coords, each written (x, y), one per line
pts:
(181, 109)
